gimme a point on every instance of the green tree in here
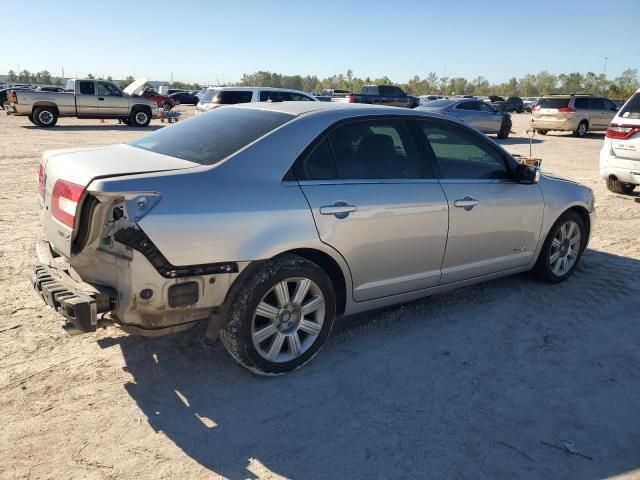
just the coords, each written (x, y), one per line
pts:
(46, 77)
(546, 83)
(90, 76)
(12, 76)
(24, 76)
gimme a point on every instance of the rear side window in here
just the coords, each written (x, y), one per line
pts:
(208, 139)
(272, 95)
(631, 109)
(374, 149)
(463, 155)
(553, 102)
(87, 88)
(229, 97)
(318, 165)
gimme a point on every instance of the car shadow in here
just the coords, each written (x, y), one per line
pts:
(588, 136)
(482, 382)
(100, 127)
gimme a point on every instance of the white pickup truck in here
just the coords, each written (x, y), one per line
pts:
(85, 99)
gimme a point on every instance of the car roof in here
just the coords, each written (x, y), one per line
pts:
(252, 89)
(337, 109)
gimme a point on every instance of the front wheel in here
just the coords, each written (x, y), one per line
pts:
(505, 128)
(582, 129)
(562, 250)
(541, 132)
(140, 118)
(619, 187)
(281, 317)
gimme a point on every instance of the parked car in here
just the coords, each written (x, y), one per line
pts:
(83, 99)
(381, 95)
(574, 113)
(511, 104)
(171, 91)
(428, 98)
(620, 154)
(259, 219)
(184, 98)
(327, 95)
(220, 96)
(163, 101)
(4, 101)
(529, 103)
(476, 113)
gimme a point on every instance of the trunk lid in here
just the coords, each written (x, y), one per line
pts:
(625, 140)
(80, 166)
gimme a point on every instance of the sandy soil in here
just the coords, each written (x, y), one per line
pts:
(485, 382)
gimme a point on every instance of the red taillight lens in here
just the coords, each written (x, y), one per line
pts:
(64, 201)
(622, 132)
(352, 99)
(567, 110)
(14, 96)
(40, 179)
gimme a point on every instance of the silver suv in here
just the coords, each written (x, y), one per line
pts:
(269, 220)
(573, 113)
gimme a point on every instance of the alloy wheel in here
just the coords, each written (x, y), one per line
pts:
(565, 248)
(45, 117)
(288, 319)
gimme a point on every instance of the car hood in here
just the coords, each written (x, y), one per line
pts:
(136, 87)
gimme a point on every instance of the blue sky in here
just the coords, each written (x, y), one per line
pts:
(209, 41)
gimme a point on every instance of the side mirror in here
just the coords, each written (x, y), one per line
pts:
(528, 174)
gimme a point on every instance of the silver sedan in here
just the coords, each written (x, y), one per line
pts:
(474, 112)
(268, 221)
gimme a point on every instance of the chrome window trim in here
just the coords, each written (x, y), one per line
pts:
(374, 181)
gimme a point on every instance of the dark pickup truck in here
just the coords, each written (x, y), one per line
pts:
(381, 95)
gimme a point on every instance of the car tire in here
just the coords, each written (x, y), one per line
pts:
(619, 187)
(505, 128)
(4, 104)
(266, 331)
(126, 120)
(31, 119)
(542, 132)
(45, 117)
(562, 250)
(583, 128)
(166, 106)
(140, 117)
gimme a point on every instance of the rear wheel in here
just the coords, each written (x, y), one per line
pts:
(562, 249)
(281, 317)
(4, 104)
(542, 132)
(166, 106)
(583, 128)
(140, 117)
(125, 120)
(619, 187)
(505, 128)
(45, 117)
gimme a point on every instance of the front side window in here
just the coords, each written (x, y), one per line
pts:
(468, 106)
(108, 89)
(463, 155)
(581, 103)
(596, 104)
(87, 88)
(230, 97)
(298, 97)
(609, 105)
(272, 96)
(485, 107)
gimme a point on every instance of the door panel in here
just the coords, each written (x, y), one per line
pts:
(499, 233)
(395, 239)
(86, 99)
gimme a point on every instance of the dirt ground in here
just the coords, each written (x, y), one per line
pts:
(508, 379)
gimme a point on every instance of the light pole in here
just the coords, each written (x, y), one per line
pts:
(604, 68)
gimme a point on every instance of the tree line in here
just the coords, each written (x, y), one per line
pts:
(530, 85)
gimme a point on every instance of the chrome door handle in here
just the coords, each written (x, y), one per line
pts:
(467, 203)
(101, 99)
(339, 209)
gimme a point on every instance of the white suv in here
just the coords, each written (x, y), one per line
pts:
(218, 96)
(620, 154)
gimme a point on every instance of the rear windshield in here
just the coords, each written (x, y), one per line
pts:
(553, 102)
(211, 137)
(208, 95)
(631, 109)
(437, 103)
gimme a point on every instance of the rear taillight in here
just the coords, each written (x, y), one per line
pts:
(14, 97)
(536, 108)
(622, 132)
(352, 99)
(41, 179)
(567, 110)
(64, 201)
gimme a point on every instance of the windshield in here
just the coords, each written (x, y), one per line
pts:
(631, 109)
(208, 96)
(209, 138)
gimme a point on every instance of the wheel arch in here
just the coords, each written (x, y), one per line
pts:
(140, 106)
(45, 104)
